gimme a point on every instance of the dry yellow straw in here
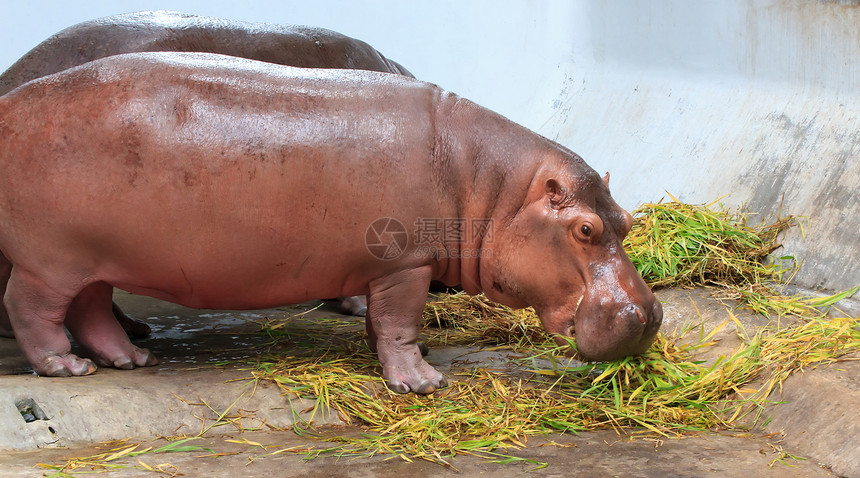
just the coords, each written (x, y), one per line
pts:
(663, 391)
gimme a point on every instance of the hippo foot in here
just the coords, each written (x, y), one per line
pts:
(135, 357)
(422, 380)
(354, 305)
(66, 365)
(133, 328)
(6, 331)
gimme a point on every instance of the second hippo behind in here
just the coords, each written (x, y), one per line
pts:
(293, 45)
(254, 185)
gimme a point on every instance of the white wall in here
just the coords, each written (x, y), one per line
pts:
(748, 100)
(484, 50)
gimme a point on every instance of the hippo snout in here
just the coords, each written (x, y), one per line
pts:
(635, 326)
(633, 312)
(603, 335)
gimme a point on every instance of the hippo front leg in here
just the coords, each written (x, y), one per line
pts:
(393, 322)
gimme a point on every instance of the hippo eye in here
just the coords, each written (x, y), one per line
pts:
(588, 229)
(585, 230)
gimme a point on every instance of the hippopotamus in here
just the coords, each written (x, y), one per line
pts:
(293, 45)
(173, 31)
(219, 182)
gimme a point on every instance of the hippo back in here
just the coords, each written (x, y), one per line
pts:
(172, 31)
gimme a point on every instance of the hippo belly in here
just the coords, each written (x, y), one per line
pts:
(268, 191)
(174, 31)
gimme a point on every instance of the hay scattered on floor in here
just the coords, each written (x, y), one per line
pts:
(663, 391)
(491, 413)
(115, 459)
(461, 319)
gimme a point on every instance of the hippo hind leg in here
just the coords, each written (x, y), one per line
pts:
(36, 312)
(133, 328)
(91, 321)
(353, 305)
(5, 271)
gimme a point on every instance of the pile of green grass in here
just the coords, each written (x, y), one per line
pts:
(678, 244)
(682, 244)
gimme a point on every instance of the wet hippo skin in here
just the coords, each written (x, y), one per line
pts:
(281, 176)
(173, 31)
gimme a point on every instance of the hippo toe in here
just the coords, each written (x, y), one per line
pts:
(66, 365)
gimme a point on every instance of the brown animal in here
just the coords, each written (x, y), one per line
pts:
(174, 31)
(162, 172)
(293, 45)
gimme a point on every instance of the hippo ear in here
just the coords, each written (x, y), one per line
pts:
(606, 179)
(556, 193)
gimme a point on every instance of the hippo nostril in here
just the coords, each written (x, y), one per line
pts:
(639, 314)
(633, 311)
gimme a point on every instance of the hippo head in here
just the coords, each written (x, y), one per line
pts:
(561, 253)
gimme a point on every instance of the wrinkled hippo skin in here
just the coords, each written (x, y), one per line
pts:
(174, 31)
(219, 182)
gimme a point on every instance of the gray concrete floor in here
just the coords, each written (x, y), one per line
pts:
(595, 454)
(176, 396)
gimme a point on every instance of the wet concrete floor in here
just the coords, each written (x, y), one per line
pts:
(191, 385)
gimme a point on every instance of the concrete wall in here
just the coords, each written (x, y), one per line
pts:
(754, 101)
